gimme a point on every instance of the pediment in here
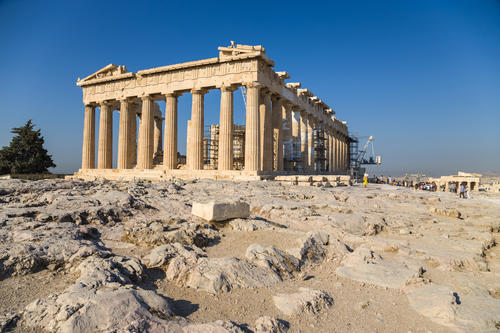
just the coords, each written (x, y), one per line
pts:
(109, 70)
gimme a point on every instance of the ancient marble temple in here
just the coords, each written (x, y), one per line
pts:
(288, 130)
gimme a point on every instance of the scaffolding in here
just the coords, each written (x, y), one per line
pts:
(293, 155)
(211, 147)
(319, 149)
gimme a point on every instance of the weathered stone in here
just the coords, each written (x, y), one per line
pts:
(367, 266)
(266, 324)
(270, 257)
(8, 320)
(306, 300)
(220, 274)
(221, 210)
(449, 212)
(102, 299)
(460, 312)
(310, 247)
(161, 255)
(250, 224)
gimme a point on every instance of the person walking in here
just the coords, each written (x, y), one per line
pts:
(462, 191)
(365, 180)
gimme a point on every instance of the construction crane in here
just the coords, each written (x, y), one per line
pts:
(358, 156)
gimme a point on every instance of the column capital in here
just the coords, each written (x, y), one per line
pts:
(253, 84)
(171, 93)
(106, 103)
(126, 100)
(199, 91)
(91, 105)
(229, 87)
(146, 97)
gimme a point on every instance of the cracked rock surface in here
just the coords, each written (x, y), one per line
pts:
(131, 257)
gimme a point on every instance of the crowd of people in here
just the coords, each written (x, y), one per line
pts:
(463, 191)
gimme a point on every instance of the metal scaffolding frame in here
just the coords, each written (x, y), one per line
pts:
(211, 146)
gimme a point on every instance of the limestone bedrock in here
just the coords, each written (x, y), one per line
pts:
(221, 210)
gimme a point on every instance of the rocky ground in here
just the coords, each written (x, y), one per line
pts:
(130, 257)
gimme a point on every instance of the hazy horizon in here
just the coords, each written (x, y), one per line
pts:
(422, 77)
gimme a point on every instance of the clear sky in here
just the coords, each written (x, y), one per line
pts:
(422, 77)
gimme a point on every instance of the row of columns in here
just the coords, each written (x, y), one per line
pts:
(275, 131)
(150, 133)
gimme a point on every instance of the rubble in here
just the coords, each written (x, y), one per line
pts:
(131, 256)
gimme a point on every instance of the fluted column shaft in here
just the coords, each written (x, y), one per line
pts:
(287, 131)
(252, 136)
(296, 136)
(225, 157)
(266, 131)
(331, 154)
(124, 134)
(340, 168)
(158, 135)
(133, 134)
(170, 151)
(278, 132)
(195, 151)
(337, 152)
(88, 149)
(348, 154)
(145, 153)
(342, 147)
(304, 144)
(310, 145)
(105, 154)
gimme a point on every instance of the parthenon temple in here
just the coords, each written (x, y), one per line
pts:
(287, 131)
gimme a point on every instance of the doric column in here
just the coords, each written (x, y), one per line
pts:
(348, 153)
(145, 153)
(344, 166)
(277, 119)
(337, 152)
(88, 150)
(195, 151)
(158, 135)
(304, 144)
(296, 136)
(310, 144)
(105, 154)
(170, 151)
(341, 153)
(225, 156)
(133, 134)
(252, 144)
(331, 154)
(266, 131)
(287, 132)
(125, 131)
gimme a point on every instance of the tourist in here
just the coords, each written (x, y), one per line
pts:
(462, 191)
(365, 180)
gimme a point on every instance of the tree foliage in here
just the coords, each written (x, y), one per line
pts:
(25, 154)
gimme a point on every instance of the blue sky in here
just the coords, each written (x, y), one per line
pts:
(422, 77)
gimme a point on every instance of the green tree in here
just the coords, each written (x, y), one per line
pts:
(25, 154)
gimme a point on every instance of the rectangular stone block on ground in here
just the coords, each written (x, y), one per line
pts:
(221, 210)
